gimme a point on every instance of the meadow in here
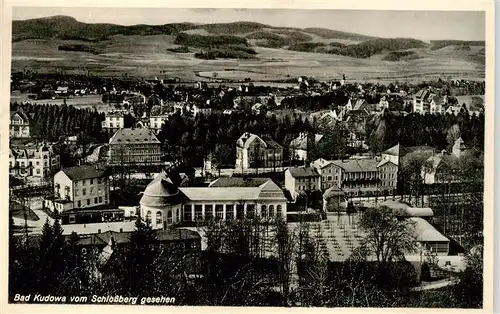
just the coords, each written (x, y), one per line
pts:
(147, 56)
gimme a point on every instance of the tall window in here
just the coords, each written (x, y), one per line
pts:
(219, 211)
(198, 212)
(229, 212)
(148, 216)
(209, 212)
(250, 210)
(169, 217)
(159, 218)
(240, 211)
(187, 213)
(263, 211)
(271, 211)
(279, 211)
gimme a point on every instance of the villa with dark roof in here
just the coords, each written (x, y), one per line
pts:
(253, 151)
(134, 147)
(301, 179)
(19, 125)
(80, 187)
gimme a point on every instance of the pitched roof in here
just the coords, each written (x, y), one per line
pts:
(300, 142)
(23, 115)
(83, 172)
(301, 172)
(357, 165)
(271, 143)
(320, 163)
(385, 161)
(425, 232)
(393, 151)
(238, 182)
(220, 194)
(134, 136)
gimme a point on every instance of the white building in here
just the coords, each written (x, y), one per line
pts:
(84, 186)
(34, 160)
(299, 147)
(19, 125)
(163, 204)
(300, 180)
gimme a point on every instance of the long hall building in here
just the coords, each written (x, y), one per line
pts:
(164, 204)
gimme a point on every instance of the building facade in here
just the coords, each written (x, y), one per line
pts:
(131, 147)
(84, 186)
(388, 175)
(302, 179)
(34, 160)
(299, 146)
(19, 125)
(116, 120)
(163, 204)
(252, 151)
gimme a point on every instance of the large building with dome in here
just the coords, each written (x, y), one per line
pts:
(164, 204)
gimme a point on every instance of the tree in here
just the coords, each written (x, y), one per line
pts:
(142, 255)
(388, 237)
(469, 290)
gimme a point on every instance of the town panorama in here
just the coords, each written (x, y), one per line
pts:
(245, 164)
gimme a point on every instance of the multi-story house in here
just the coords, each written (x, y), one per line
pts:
(116, 120)
(388, 175)
(34, 160)
(428, 101)
(299, 146)
(302, 179)
(331, 174)
(134, 147)
(252, 151)
(19, 125)
(458, 148)
(156, 121)
(359, 176)
(82, 186)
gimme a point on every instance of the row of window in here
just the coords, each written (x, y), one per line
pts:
(303, 187)
(89, 182)
(265, 211)
(91, 191)
(97, 200)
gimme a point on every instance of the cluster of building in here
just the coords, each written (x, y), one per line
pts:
(431, 101)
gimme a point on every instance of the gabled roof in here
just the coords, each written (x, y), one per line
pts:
(425, 232)
(320, 163)
(303, 172)
(238, 182)
(83, 172)
(357, 165)
(134, 136)
(23, 115)
(385, 161)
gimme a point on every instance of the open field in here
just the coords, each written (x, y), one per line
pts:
(147, 56)
(84, 102)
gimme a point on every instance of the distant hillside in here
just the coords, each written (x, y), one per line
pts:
(401, 56)
(331, 34)
(64, 27)
(219, 40)
(438, 44)
(371, 47)
(68, 28)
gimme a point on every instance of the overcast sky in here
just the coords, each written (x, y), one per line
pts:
(426, 25)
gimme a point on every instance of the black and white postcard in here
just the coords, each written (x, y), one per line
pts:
(293, 156)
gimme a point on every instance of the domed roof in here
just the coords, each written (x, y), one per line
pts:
(334, 191)
(161, 192)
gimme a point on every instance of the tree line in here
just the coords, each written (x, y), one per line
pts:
(50, 122)
(249, 262)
